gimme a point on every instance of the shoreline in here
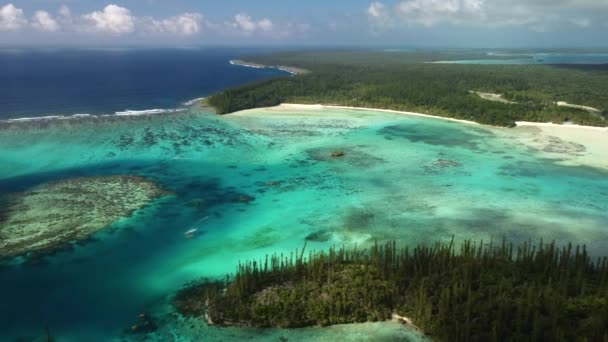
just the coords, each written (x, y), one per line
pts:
(572, 144)
(287, 106)
(536, 135)
(554, 125)
(594, 139)
(289, 69)
(395, 318)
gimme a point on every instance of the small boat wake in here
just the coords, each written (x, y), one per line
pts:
(192, 232)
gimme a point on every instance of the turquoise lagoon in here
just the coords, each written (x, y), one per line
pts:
(264, 181)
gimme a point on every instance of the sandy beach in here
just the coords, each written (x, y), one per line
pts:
(295, 106)
(559, 142)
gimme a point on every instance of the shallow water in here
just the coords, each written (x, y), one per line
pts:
(264, 182)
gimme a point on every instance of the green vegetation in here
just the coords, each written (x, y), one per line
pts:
(400, 81)
(478, 293)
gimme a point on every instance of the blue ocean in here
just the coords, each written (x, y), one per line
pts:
(35, 82)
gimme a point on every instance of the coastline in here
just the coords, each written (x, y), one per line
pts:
(291, 106)
(519, 124)
(554, 125)
(569, 144)
(395, 317)
(289, 69)
(572, 145)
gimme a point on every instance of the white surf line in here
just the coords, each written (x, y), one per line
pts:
(148, 111)
(247, 65)
(85, 115)
(38, 118)
(194, 101)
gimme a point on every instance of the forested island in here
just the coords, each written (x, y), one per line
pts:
(410, 81)
(475, 292)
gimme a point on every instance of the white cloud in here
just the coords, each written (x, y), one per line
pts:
(11, 18)
(430, 12)
(265, 25)
(112, 19)
(117, 21)
(245, 24)
(379, 16)
(376, 10)
(185, 24)
(537, 15)
(64, 11)
(44, 22)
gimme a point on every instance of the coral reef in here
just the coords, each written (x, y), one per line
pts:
(52, 215)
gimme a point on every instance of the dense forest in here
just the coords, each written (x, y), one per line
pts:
(403, 81)
(477, 292)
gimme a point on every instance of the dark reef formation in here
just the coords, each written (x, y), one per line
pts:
(51, 216)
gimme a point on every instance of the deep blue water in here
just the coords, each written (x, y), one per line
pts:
(65, 82)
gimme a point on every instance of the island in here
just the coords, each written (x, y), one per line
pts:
(408, 81)
(471, 291)
(52, 215)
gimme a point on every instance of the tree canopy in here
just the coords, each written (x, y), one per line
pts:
(401, 81)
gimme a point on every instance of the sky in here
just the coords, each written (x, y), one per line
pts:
(447, 23)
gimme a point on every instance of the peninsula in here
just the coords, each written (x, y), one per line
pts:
(289, 69)
(479, 291)
(402, 81)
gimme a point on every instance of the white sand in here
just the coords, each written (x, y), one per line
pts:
(557, 127)
(587, 108)
(492, 97)
(594, 139)
(313, 107)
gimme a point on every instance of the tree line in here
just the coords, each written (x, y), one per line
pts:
(474, 292)
(401, 82)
